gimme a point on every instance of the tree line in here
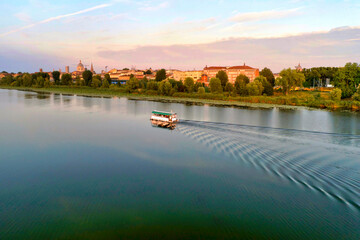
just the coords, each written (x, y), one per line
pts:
(346, 79)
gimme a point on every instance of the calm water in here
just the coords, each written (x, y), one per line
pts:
(94, 168)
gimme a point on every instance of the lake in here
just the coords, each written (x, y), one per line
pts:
(95, 168)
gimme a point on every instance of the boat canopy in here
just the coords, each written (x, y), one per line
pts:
(163, 113)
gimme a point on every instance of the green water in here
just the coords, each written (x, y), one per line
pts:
(93, 168)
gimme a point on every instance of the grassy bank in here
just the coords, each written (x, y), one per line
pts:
(292, 101)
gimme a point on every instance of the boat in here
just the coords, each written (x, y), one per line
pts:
(164, 119)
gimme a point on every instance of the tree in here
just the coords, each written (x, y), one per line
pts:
(66, 79)
(201, 90)
(160, 75)
(222, 75)
(47, 83)
(356, 95)
(105, 84)
(77, 81)
(240, 85)
(290, 78)
(87, 76)
(347, 79)
(335, 94)
(56, 77)
(27, 80)
(148, 72)
(229, 87)
(7, 80)
(268, 89)
(266, 72)
(152, 85)
(132, 84)
(95, 82)
(197, 86)
(215, 85)
(107, 78)
(165, 88)
(40, 82)
(255, 88)
(143, 82)
(189, 84)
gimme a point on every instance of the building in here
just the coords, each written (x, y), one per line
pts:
(67, 69)
(298, 68)
(80, 67)
(79, 70)
(123, 76)
(92, 69)
(232, 72)
(182, 75)
(210, 72)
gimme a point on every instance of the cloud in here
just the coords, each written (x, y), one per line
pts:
(23, 17)
(264, 15)
(331, 48)
(55, 18)
(148, 7)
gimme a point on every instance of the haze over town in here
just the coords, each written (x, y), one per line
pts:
(178, 34)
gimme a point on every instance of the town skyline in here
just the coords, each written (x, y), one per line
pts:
(176, 34)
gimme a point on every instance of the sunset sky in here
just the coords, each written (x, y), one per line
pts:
(178, 34)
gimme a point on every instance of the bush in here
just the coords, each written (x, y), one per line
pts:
(197, 86)
(152, 85)
(95, 83)
(201, 90)
(47, 83)
(132, 84)
(105, 84)
(356, 96)
(255, 88)
(151, 92)
(335, 94)
(165, 88)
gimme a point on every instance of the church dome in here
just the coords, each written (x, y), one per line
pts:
(80, 67)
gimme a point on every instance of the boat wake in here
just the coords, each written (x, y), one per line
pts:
(327, 163)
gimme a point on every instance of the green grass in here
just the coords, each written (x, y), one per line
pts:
(292, 101)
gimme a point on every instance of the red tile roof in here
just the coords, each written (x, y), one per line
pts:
(214, 68)
(240, 67)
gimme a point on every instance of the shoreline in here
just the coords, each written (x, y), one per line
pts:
(109, 93)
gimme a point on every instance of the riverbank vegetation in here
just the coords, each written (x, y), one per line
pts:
(345, 96)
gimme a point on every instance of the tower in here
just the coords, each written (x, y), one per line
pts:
(92, 68)
(67, 70)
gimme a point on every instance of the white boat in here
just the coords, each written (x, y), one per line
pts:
(166, 117)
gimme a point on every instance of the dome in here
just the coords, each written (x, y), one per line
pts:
(80, 67)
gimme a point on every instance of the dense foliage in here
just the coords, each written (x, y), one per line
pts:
(160, 75)
(222, 75)
(346, 81)
(268, 74)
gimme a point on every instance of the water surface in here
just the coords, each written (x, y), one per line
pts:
(89, 168)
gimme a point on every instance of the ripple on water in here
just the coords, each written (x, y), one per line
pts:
(322, 162)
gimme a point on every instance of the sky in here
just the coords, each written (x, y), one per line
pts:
(177, 34)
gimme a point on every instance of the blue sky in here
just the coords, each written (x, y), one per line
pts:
(177, 34)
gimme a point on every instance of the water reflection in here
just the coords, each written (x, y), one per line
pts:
(68, 163)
